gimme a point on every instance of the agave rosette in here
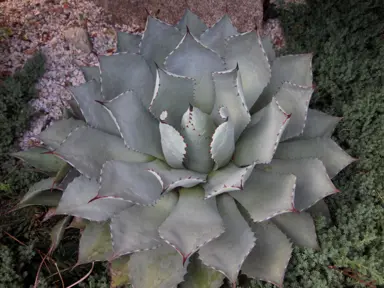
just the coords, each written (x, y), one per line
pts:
(191, 141)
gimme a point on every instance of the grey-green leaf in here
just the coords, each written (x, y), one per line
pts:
(205, 61)
(333, 157)
(193, 22)
(139, 129)
(299, 227)
(229, 94)
(122, 72)
(43, 193)
(319, 124)
(312, 182)
(173, 93)
(223, 144)
(91, 73)
(55, 134)
(159, 39)
(118, 271)
(267, 194)
(173, 145)
(269, 258)
(130, 181)
(135, 229)
(258, 142)
(44, 162)
(159, 268)
(294, 100)
(128, 42)
(197, 130)
(226, 179)
(95, 115)
(320, 209)
(214, 37)
(87, 149)
(57, 233)
(95, 243)
(80, 199)
(266, 41)
(201, 276)
(204, 222)
(228, 252)
(246, 50)
(296, 69)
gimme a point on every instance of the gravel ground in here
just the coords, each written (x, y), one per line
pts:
(31, 25)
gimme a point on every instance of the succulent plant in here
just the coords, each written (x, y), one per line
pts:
(189, 156)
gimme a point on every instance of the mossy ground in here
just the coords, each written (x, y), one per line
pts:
(347, 38)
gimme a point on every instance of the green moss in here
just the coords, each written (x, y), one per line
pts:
(347, 40)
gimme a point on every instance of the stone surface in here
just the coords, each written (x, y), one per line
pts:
(78, 37)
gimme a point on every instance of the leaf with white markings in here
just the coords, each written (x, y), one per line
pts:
(267, 194)
(204, 60)
(91, 73)
(228, 252)
(204, 222)
(246, 51)
(226, 179)
(223, 144)
(229, 94)
(258, 142)
(128, 42)
(193, 22)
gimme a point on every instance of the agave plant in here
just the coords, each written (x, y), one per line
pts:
(189, 156)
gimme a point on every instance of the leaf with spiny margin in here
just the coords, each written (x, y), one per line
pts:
(270, 256)
(229, 94)
(246, 51)
(34, 156)
(201, 276)
(320, 209)
(173, 145)
(214, 37)
(296, 69)
(57, 233)
(123, 72)
(143, 183)
(91, 73)
(158, 268)
(173, 94)
(227, 179)
(266, 41)
(95, 115)
(119, 271)
(130, 181)
(333, 157)
(299, 227)
(128, 42)
(193, 22)
(267, 194)
(228, 252)
(223, 144)
(294, 100)
(159, 39)
(76, 201)
(173, 178)
(204, 222)
(205, 61)
(43, 193)
(87, 149)
(197, 130)
(312, 182)
(135, 229)
(139, 129)
(95, 243)
(54, 135)
(258, 142)
(319, 124)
